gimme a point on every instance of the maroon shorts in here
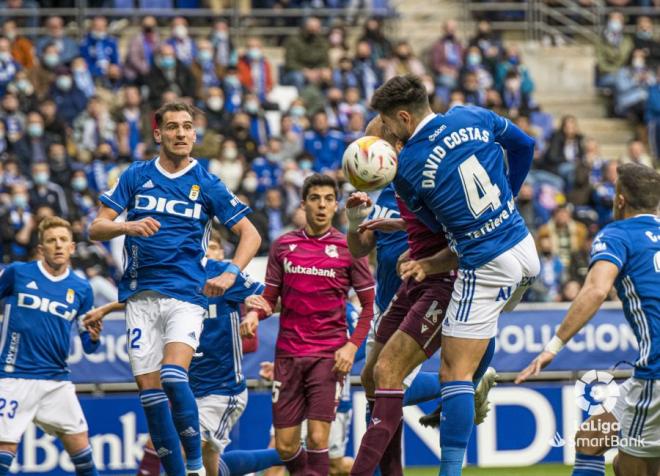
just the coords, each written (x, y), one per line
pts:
(304, 387)
(418, 309)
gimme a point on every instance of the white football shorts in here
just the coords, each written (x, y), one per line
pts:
(217, 416)
(481, 294)
(51, 404)
(638, 412)
(153, 320)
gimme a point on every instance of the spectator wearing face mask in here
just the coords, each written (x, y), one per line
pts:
(547, 287)
(46, 192)
(21, 47)
(142, 49)
(24, 90)
(34, 144)
(133, 112)
(98, 48)
(268, 167)
(214, 108)
(240, 132)
(60, 165)
(489, 44)
(185, 48)
(474, 64)
(612, 51)
(343, 76)
(325, 145)
(254, 70)
(70, 100)
(54, 125)
(474, 95)
(208, 141)
(79, 197)
(206, 72)
(233, 89)
(512, 61)
(17, 223)
(604, 192)
(631, 87)
(447, 59)
(365, 69)
(93, 127)
(645, 39)
(228, 166)
(66, 47)
(225, 54)
(259, 128)
(43, 74)
(514, 98)
(8, 65)
(82, 78)
(168, 74)
(306, 54)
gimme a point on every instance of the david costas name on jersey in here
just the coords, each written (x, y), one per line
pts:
(452, 140)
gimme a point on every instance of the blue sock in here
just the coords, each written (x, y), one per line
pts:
(485, 362)
(6, 457)
(586, 465)
(455, 425)
(425, 387)
(83, 461)
(184, 412)
(163, 433)
(244, 462)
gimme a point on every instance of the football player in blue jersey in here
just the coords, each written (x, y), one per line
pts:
(452, 172)
(170, 202)
(43, 301)
(626, 255)
(216, 376)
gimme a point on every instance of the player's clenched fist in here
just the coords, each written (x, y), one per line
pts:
(146, 227)
(218, 285)
(344, 357)
(358, 207)
(249, 324)
(258, 303)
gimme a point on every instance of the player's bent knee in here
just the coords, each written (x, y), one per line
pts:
(287, 449)
(317, 438)
(150, 381)
(387, 374)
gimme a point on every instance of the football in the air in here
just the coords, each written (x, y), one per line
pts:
(369, 163)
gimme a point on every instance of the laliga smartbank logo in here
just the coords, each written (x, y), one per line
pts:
(596, 392)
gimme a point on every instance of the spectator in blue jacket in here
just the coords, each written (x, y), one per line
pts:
(8, 66)
(98, 48)
(325, 145)
(70, 100)
(652, 117)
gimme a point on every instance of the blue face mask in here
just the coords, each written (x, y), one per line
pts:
(35, 130)
(205, 56)
(305, 164)
(20, 201)
(51, 60)
(41, 178)
(79, 184)
(167, 62)
(473, 59)
(254, 54)
(298, 111)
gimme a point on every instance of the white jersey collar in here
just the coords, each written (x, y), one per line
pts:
(421, 125)
(49, 276)
(178, 174)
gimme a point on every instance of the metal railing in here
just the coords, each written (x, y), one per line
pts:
(536, 19)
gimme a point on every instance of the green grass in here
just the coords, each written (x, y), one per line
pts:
(538, 470)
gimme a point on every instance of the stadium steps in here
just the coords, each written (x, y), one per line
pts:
(420, 21)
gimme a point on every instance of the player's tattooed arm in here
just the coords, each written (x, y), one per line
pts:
(249, 241)
(597, 285)
(358, 208)
(104, 227)
(441, 262)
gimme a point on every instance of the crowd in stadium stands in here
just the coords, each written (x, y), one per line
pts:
(73, 114)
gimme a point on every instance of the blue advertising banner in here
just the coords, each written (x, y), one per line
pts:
(546, 417)
(606, 340)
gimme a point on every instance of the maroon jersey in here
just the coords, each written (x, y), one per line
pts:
(421, 240)
(313, 275)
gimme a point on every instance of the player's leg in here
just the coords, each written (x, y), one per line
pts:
(628, 465)
(322, 389)
(591, 443)
(21, 397)
(289, 408)
(77, 445)
(145, 353)
(246, 462)
(59, 413)
(277, 470)
(340, 464)
(183, 327)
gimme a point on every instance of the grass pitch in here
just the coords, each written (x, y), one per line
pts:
(538, 470)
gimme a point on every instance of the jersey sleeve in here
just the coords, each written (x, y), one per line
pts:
(611, 244)
(361, 278)
(119, 196)
(274, 271)
(225, 205)
(7, 280)
(243, 287)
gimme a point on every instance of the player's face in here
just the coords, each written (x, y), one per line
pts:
(57, 246)
(399, 124)
(320, 206)
(215, 251)
(176, 135)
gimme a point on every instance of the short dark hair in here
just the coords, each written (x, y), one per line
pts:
(401, 92)
(640, 186)
(319, 180)
(173, 107)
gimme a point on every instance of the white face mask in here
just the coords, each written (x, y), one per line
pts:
(180, 31)
(250, 184)
(215, 103)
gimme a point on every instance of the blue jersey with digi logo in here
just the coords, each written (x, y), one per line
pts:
(452, 171)
(633, 245)
(39, 312)
(389, 246)
(171, 261)
(216, 368)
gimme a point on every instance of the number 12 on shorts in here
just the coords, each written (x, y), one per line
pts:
(133, 337)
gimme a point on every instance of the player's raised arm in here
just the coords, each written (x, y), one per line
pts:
(443, 261)
(519, 150)
(358, 208)
(597, 285)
